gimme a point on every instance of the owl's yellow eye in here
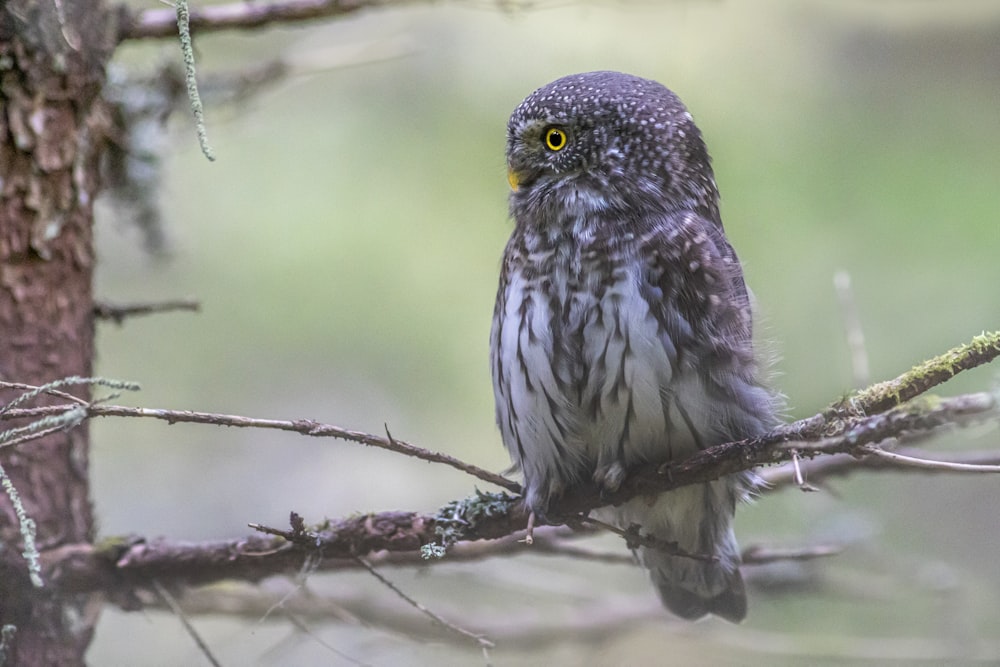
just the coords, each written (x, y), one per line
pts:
(555, 139)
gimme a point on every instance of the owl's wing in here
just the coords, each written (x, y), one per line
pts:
(696, 287)
(693, 284)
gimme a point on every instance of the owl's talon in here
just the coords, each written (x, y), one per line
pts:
(610, 477)
(529, 538)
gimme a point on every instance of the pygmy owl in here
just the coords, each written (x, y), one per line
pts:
(622, 329)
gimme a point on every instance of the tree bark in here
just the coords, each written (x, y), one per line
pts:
(53, 124)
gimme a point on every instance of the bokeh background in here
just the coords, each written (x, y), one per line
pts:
(345, 249)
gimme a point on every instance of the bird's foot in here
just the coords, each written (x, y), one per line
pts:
(610, 476)
(529, 537)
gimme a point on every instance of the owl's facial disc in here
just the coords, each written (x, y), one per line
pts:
(538, 148)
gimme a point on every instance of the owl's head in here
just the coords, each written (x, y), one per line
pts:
(607, 141)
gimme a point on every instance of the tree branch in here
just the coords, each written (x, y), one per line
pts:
(122, 566)
(160, 23)
(301, 426)
(880, 397)
(851, 427)
(808, 437)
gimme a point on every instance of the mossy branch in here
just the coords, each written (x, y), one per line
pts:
(922, 377)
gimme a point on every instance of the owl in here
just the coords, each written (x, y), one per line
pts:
(622, 331)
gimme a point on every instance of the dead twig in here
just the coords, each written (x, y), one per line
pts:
(903, 460)
(302, 426)
(118, 312)
(481, 641)
(169, 600)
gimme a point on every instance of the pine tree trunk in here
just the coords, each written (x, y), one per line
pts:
(52, 125)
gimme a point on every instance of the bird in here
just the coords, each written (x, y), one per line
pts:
(622, 331)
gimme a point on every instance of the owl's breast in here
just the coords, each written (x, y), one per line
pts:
(589, 367)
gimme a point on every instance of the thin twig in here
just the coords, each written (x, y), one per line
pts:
(31, 388)
(760, 555)
(302, 627)
(559, 548)
(778, 477)
(302, 426)
(480, 640)
(169, 600)
(929, 464)
(753, 555)
(51, 388)
(117, 313)
(310, 566)
(29, 435)
(634, 539)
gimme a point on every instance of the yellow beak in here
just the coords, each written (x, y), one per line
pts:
(513, 179)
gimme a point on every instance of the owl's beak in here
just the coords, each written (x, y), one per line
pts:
(513, 178)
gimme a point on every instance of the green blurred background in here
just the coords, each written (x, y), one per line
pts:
(345, 249)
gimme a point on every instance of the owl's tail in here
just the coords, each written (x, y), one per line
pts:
(698, 519)
(714, 590)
